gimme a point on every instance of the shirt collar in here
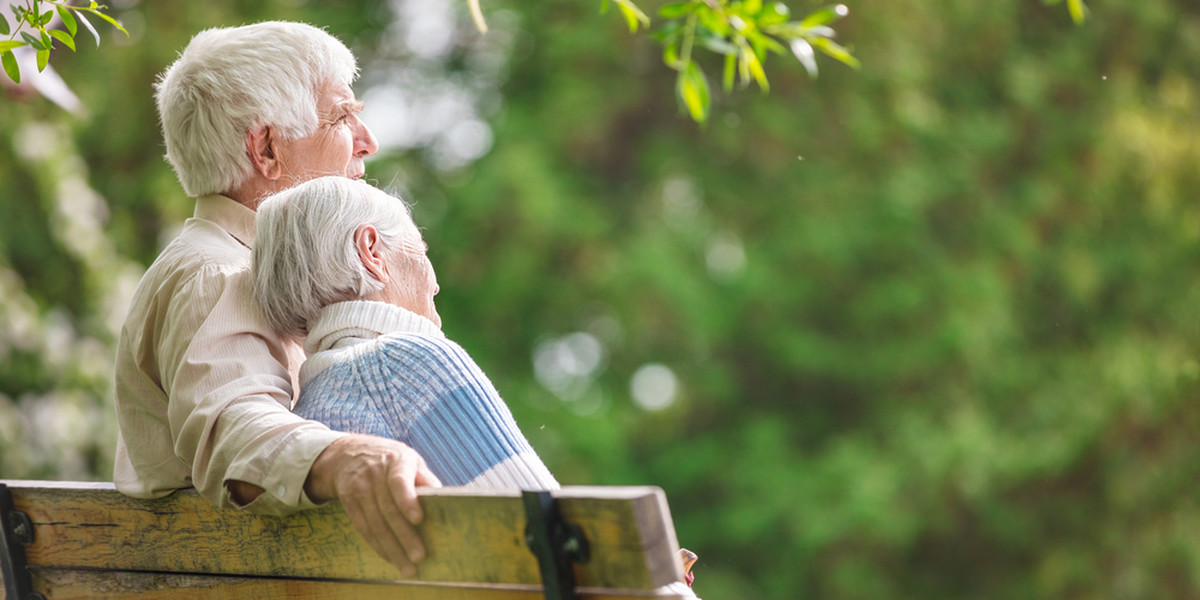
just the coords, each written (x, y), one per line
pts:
(230, 215)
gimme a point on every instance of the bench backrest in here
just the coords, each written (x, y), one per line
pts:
(90, 541)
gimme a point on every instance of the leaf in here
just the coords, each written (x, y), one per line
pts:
(4, 30)
(671, 56)
(88, 25)
(68, 20)
(693, 91)
(111, 21)
(828, 14)
(756, 70)
(668, 32)
(1078, 10)
(43, 59)
(836, 51)
(7, 45)
(62, 36)
(10, 66)
(44, 20)
(774, 14)
(676, 10)
(805, 54)
(715, 43)
(633, 15)
(32, 41)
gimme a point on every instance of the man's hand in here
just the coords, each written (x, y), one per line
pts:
(376, 480)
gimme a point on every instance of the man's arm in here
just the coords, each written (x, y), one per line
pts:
(231, 422)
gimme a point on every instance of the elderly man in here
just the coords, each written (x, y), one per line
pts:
(204, 386)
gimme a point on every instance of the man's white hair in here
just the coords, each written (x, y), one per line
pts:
(304, 255)
(230, 79)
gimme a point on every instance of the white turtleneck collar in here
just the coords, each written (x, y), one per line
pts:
(346, 323)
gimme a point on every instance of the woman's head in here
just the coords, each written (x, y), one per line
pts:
(334, 239)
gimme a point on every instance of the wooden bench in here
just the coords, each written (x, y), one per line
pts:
(65, 540)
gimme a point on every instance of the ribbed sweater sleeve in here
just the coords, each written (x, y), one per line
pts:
(428, 393)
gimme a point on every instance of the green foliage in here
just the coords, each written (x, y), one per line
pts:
(37, 15)
(743, 33)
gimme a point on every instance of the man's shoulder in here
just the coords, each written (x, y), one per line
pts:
(203, 245)
(202, 250)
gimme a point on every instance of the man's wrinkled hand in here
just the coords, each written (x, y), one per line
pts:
(376, 481)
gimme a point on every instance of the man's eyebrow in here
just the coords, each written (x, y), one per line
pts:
(351, 106)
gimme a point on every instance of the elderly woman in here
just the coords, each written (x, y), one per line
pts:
(341, 262)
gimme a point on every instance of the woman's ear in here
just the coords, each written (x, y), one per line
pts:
(370, 252)
(260, 147)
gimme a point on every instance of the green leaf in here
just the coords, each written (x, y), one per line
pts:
(633, 15)
(1078, 10)
(68, 20)
(773, 14)
(668, 32)
(715, 43)
(4, 29)
(43, 59)
(47, 41)
(62, 36)
(671, 56)
(7, 45)
(756, 70)
(10, 66)
(44, 20)
(676, 10)
(88, 25)
(693, 92)
(828, 14)
(32, 41)
(836, 51)
(113, 22)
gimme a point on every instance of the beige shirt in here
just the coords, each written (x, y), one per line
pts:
(204, 388)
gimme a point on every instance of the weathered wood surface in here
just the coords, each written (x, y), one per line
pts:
(473, 537)
(57, 584)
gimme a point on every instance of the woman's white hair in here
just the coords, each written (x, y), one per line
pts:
(304, 255)
(230, 79)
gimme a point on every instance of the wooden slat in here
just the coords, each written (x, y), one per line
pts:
(60, 584)
(471, 536)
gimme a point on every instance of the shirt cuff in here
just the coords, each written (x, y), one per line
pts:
(283, 484)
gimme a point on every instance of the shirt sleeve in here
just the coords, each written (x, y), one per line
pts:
(230, 396)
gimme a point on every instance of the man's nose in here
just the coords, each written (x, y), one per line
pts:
(365, 143)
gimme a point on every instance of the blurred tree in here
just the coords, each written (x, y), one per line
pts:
(922, 330)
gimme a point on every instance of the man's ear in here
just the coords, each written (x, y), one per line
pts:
(260, 146)
(370, 252)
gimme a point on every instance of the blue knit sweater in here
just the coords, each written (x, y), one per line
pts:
(379, 369)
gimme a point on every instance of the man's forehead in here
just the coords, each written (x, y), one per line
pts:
(335, 95)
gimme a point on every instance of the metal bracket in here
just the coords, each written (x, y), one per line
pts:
(16, 530)
(555, 542)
